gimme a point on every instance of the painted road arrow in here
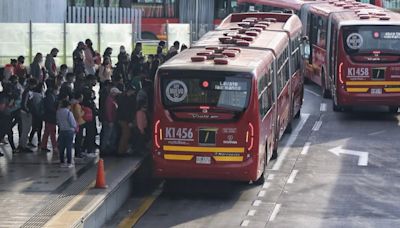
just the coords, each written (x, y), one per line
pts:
(363, 156)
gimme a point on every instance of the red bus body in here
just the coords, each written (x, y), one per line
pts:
(354, 53)
(329, 65)
(222, 118)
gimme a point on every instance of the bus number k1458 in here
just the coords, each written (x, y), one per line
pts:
(178, 133)
(357, 72)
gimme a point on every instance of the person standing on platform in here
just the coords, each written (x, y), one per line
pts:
(50, 108)
(67, 127)
(90, 56)
(50, 63)
(26, 115)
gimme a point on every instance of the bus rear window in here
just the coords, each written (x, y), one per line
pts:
(216, 89)
(361, 40)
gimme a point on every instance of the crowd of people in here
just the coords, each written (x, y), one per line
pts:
(67, 104)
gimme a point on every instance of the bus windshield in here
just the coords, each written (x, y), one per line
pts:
(230, 91)
(359, 40)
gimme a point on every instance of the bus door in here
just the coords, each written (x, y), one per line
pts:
(267, 107)
(332, 55)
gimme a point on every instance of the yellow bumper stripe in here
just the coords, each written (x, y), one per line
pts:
(228, 158)
(392, 90)
(357, 90)
(364, 83)
(179, 157)
(204, 149)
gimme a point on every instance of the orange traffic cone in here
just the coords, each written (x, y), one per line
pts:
(101, 179)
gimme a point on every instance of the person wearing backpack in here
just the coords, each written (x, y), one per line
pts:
(50, 108)
(38, 110)
(78, 112)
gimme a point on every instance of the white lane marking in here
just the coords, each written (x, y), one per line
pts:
(251, 212)
(306, 148)
(275, 212)
(317, 125)
(363, 156)
(245, 223)
(270, 176)
(257, 203)
(292, 176)
(323, 107)
(312, 92)
(376, 133)
(290, 142)
(261, 193)
(266, 185)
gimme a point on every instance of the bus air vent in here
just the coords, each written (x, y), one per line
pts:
(226, 39)
(261, 26)
(255, 29)
(340, 4)
(347, 6)
(199, 58)
(234, 49)
(252, 33)
(270, 19)
(207, 54)
(384, 18)
(221, 61)
(244, 24)
(247, 38)
(266, 23)
(364, 16)
(243, 43)
(230, 53)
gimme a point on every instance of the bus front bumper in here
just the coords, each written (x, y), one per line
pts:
(239, 171)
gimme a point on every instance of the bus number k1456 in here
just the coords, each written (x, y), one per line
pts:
(178, 133)
(357, 72)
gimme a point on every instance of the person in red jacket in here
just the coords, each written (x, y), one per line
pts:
(108, 139)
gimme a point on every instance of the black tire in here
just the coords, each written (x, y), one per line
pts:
(274, 154)
(297, 114)
(289, 128)
(336, 108)
(393, 109)
(261, 180)
(325, 91)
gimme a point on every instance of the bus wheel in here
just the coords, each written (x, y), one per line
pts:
(263, 176)
(393, 109)
(289, 128)
(325, 91)
(297, 115)
(148, 36)
(336, 107)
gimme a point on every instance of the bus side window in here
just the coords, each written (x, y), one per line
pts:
(265, 101)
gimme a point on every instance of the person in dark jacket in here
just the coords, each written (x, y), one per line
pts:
(134, 66)
(26, 116)
(67, 88)
(37, 109)
(78, 58)
(6, 105)
(125, 116)
(50, 63)
(36, 68)
(50, 108)
(89, 98)
(123, 63)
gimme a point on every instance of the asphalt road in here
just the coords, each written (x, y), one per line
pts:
(333, 170)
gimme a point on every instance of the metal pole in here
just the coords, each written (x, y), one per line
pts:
(98, 37)
(65, 42)
(197, 19)
(30, 41)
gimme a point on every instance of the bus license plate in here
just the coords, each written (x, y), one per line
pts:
(376, 91)
(203, 160)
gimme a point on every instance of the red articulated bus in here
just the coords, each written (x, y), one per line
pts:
(222, 105)
(355, 53)
(339, 68)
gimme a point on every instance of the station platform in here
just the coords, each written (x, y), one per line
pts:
(36, 192)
